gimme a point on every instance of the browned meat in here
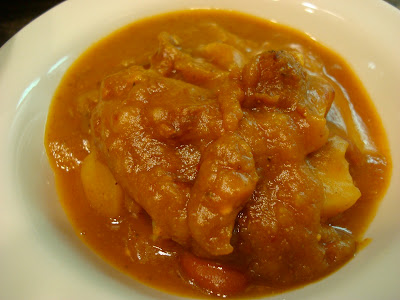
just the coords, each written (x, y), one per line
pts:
(139, 134)
(225, 182)
(196, 145)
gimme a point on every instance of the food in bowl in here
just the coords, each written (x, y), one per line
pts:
(207, 152)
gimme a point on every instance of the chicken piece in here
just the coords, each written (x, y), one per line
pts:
(274, 79)
(332, 169)
(137, 125)
(145, 168)
(277, 80)
(225, 182)
(171, 61)
(279, 229)
(273, 137)
(193, 114)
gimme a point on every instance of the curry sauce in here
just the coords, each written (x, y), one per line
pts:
(206, 145)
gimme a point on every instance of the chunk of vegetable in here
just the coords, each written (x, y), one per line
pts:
(332, 169)
(212, 277)
(102, 191)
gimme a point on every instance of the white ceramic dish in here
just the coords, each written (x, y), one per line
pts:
(40, 256)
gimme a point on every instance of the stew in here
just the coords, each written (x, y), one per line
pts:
(207, 152)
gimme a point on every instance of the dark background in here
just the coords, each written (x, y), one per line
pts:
(15, 14)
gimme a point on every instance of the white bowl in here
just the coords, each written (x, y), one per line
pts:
(40, 256)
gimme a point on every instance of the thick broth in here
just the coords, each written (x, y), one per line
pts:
(68, 143)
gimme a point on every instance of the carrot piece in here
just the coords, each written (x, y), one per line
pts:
(213, 277)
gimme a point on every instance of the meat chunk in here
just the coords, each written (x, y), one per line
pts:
(137, 126)
(280, 230)
(171, 61)
(263, 131)
(274, 78)
(277, 81)
(172, 109)
(225, 182)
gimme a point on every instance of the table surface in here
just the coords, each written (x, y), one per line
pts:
(16, 14)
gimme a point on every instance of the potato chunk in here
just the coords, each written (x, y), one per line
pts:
(100, 187)
(332, 169)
